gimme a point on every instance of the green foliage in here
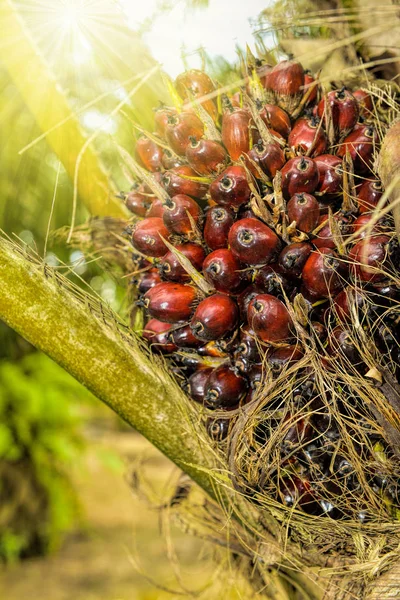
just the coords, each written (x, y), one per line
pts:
(40, 440)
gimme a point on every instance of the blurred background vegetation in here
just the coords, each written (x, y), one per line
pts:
(67, 67)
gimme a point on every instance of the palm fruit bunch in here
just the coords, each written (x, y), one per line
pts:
(269, 280)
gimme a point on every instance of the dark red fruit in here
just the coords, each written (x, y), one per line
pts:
(146, 236)
(214, 317)
(198, 84)
(323, 273)
(304, 209)
(252, 242)
(224, 388)
(347, 301)
(269, 318)
(137, 203)
(157, 334)
(218, 429)
(184, 338)
(148, 154)
(245, 298)
(365, 103)
(206, 157)
(176, 213)
(341, 342)
(156, 208)
(270, 158)
(276, 118)
(230, 189)
(370, 255)
(293, 258)
(172, 270)
(235, 132)
(182, 180)
(368, 195)
(249, 348)
(271, 281)
(161, 116)
(344, 110)
(170, 302)
(330, 174)
(180, 128)
(222, 270)
(196, 384)
(219, 221)
(284, 357)
(378, 228)
(361, 144)
(308, 136)
(170, 160)
(296, 492)
(308, 80)
(299, 174)
(148, 280)
(325, 238)
(286, 81)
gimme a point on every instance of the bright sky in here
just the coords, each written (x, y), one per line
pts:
(217, 28)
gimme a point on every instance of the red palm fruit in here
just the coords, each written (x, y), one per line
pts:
(370, 256)
(146, 236)
(296, 491)
(340, 342)
(196, 384)
(137, 203)
(206, 157)
(148, 154)
(304, 209)
(218, 429)
(235, 132)
(323, 273)
(156, 208)
(219, 220)
(182, 180)
(161, 116)
(184, 338)
(179, 129)
(245, 298)
(156, 333)
(361, 144)
(193, 82)
(170, 302)
(276, 118)
(148, 280)
(222, 270)
(365, 103)
(368, 195)
(299, 174)
(157, 178)
(176, 213)
(172, 270)
(249, 347)
(269, 318)
(347, 300)
(271, 281)
(224, 388)
(198, 84)
(214, 317)
(325, 238)
(319, 331)
(286, 81)
(293, 258)
(308, 80)
(284, 357)
(230, 188)
(170, 160)
(269, 158)
(344, 110)
(252, 242)
(308, 136)
(330, 174)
